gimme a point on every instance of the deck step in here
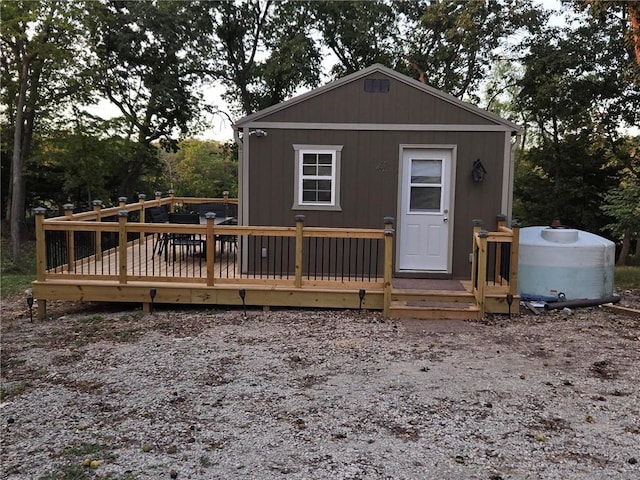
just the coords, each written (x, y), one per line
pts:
(433, 295)
(433, 310)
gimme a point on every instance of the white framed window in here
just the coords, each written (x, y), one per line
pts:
(317, 172)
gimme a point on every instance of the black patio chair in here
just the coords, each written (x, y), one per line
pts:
(158, 215)
(229, 240)
(186, 242)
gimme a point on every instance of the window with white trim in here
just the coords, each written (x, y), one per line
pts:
(317, 177)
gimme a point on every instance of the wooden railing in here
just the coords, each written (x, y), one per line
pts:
(118, 245)
(494, 266)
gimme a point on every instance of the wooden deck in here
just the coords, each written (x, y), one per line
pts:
(261, 266)
(153, 258)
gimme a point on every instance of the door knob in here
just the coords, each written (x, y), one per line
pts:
(445, 219)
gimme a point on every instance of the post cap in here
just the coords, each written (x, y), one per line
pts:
(483, 233)
(501, 217)
(158, 194)
(39, 211)
(388, 232)
(515, 223)
(210, 215)
(141, 196)
(123, 213)
(300, 218)
(476, 222)
(388, 219)
(122, 199)
(68, 206)
(171, 191)
(225, 193)
(97, 203)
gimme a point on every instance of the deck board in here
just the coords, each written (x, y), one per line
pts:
(143, 261)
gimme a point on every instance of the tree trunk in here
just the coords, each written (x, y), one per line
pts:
(626, 246)
(18, 194)
(634, 17)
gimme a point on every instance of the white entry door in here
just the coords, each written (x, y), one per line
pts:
(424, 227)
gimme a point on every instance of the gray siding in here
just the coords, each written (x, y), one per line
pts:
(369, 179)
(403, 104)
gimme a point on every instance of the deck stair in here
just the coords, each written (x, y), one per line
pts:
(454, 304)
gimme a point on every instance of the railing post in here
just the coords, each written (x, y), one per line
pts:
(211, 239)
(158, 197)
(299, 244)
(97, 208)
(41, 257)
(172, 195)
(477, 226)
(501, 221)
(388, 264)
(482, 270)
(122, 246)
(71, 249)
(513, 264)
(141, 198)
(225, 197)
(122, 202)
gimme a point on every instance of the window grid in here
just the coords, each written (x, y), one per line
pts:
(317, 181)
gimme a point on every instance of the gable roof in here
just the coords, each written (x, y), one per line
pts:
(378, 68)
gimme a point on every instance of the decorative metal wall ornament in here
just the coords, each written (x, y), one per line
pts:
(382, 167)
(478, 171)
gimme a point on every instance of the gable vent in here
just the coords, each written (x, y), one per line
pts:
(376, 85)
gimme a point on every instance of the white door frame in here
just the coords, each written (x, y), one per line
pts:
(452, 195)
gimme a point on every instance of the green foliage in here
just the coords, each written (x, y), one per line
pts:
(627, 277)
(563, 183)
(85, 449)
(358, 33)
(261, 51)
(622, 202)
(16, 277)
(202, 169)
(455, 43)
(13, 391)
(576, 96)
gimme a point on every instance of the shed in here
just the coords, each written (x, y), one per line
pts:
(373, 144)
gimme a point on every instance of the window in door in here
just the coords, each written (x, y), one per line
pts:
(425, 185)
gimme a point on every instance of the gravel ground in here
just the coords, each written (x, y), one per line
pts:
(208, 394)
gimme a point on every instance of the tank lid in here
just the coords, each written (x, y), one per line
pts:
(560, 235)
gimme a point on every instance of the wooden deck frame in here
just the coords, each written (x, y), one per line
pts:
(493, 294)
(214, 287)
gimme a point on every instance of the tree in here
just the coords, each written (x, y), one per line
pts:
(452, 44)
(622, 202)
(359, 34)
(39, 61)
(202, 168)
(578, 94)
(145, 62)
(262, 51)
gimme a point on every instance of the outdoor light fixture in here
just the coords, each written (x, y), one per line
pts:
(361, 295)
(258, 133)
(243, 293)
(509, 302)
(30, 304)
(152, 294)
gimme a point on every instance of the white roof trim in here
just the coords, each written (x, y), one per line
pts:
(391, 73)
(406, 127)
